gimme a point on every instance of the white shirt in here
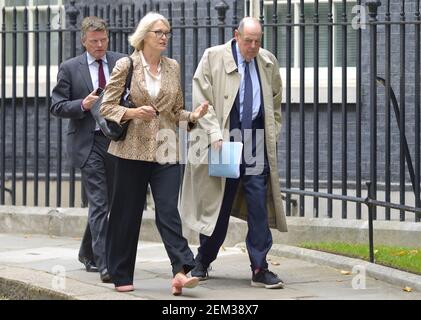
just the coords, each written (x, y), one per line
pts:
(153, 82)
(93, 69)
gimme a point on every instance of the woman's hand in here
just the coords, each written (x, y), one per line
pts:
(144, 113)
(199, 112)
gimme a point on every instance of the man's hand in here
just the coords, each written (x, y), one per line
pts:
(89, 101)
(217, 145)
(144, 112)
(199, 112)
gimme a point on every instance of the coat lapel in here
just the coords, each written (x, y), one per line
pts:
(138, 74)
(263, 65)
(111, 62)
(84, 71)
(164, 79)
(233, 81)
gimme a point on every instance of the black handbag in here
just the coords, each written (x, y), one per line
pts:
(111, 129)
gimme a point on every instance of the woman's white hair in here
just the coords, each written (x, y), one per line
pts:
(136, 40)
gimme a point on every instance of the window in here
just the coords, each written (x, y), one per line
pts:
(282, 33)
(56, 21)
(351, 36)
(282, 11)
(309, 30)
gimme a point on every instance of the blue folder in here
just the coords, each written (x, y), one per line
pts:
(225, 162)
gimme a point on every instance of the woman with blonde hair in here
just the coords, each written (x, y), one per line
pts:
(158, 99)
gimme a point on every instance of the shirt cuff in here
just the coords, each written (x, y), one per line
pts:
(190, 120)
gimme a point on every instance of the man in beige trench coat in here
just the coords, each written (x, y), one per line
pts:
(242, 83)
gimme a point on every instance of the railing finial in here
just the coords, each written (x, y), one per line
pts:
(222, 8)
(373, 6)
(72, 12)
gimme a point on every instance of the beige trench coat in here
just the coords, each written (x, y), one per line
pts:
(217, 80)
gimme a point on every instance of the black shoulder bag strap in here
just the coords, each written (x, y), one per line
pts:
(124, 101)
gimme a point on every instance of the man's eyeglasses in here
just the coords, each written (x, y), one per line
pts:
(159, 34)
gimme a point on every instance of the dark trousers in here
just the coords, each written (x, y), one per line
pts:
(259, 237)
(97, 179)
(132, 179)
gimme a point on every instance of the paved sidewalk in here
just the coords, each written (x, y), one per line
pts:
(32, 266)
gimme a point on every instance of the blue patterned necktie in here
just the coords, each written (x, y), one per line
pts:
(248, 99)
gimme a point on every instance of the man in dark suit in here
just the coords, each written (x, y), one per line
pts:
(74, 95)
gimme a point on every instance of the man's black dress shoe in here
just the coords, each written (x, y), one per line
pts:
(89, 264)
(105, 276)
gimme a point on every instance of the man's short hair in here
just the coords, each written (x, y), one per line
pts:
(93, 23)
(245, 20)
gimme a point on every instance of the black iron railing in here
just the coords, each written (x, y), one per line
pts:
(338, 132)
